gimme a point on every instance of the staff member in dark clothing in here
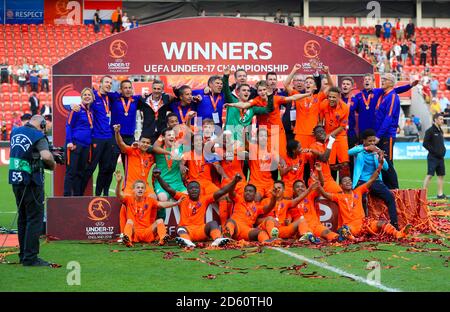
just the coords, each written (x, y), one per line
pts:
(434, 143)
(102, 139)
(155, 108)
(434, 47)
(78, 142)
(30, 154)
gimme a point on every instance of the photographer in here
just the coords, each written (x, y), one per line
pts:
(30, 154)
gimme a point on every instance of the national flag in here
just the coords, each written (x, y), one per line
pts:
(105, 7)
(71, 97)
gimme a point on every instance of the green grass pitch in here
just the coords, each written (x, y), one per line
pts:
(415, 266)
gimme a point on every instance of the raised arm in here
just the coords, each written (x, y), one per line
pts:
(299, 198)
(376, 173)
(220, 170)
(229, 98)
(267, 208)
(284, 168)
(326, 69)
(324, 194)
(119, 178)
(229, 188)
(288, 80)
(164, 185)
(296, 97)
(119, 140)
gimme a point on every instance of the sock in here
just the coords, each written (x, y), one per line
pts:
(185, 236)
(231, 228)
(128, 230)
(303, 226)
(215, 233)
(223, 212)
(373, 227)
(390, 229)
(329, 235)
(262, 236)
(161, 230)
(269, 225)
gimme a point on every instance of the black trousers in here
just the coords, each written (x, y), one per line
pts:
(433, 60)
(76, 164)
(380, 190)
(102, 155)
(30, 206)
(423, 59)
(389, 176)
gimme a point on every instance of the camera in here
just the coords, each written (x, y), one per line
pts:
(58, 154)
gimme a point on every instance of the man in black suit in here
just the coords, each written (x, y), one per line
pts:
(155, 108)
(34, 103)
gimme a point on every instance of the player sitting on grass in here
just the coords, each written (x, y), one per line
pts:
(352, 220)
(277, 222)
(307, 209)
(246, 209)
(138, 221)
(192, 227)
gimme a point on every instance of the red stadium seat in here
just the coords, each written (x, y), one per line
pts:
(5, 87)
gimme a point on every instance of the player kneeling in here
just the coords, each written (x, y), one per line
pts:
(138, 221)
(192, 227)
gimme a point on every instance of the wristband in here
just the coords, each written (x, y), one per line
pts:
(330, 142)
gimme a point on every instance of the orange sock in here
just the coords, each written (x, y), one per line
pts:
(128, 230)
(161, 230)
(262, 236)
(269, 225)
(185, 236)
(223, 212)
(329, 235)
(215, 233)
(231, 228)
(303, 226)
(390, 229)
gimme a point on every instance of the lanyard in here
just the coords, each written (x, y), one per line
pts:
(156, 112)
(215, 102)
(249, 212)
(367, 101)
(88, 113)
(183, 117)
(142, 164)
(168, 161)
(193, 207)
(309, 101)
(381, 99)
(126, 107)
(106, 105)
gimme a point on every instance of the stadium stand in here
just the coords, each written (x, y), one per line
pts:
(47, 44)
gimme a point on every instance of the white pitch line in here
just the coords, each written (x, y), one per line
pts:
(8, 211)
(336, 270)
(421, 181)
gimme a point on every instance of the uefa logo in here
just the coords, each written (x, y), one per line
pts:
(118, 49)
(99, 209)
(311, 49)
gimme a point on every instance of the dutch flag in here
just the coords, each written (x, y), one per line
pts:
(106, 7)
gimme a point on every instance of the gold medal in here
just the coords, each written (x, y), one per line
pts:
(367, 107)
(108, 115)
(126, 114)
